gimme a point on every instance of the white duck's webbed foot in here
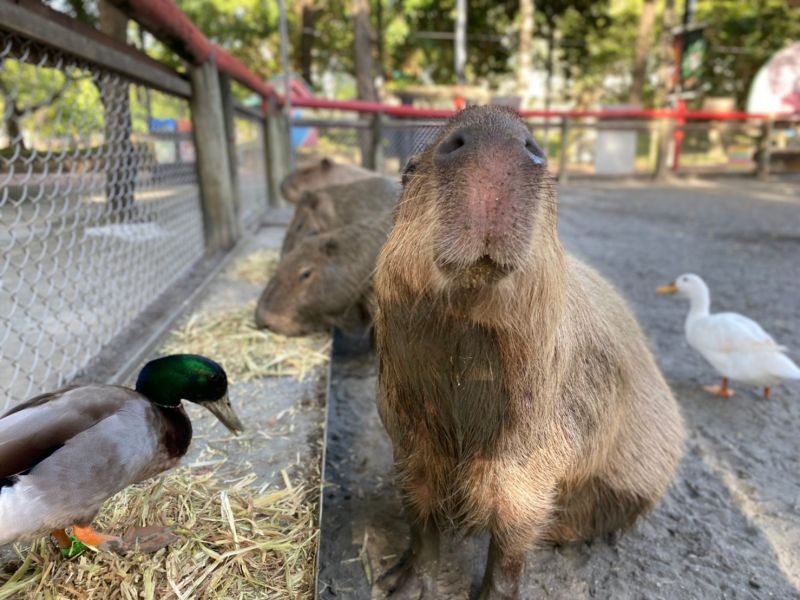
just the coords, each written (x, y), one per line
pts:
(721, 390)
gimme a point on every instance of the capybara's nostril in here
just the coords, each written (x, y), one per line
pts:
(535, 153)
(453, 143)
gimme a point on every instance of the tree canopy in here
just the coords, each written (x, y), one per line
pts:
(592, 42)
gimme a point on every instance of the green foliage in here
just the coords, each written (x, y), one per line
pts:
(594, 41)
(742, 36)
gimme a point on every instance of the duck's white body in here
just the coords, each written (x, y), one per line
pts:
(736, 346)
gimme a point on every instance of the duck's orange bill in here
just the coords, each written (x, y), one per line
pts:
(668, 289)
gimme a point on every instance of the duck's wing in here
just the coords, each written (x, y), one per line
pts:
(33, 430)
(732, 332)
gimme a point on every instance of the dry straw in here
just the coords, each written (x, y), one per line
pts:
(256, 267)
(229, 334)
(236, 542)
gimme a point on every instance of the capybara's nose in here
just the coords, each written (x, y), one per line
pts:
(261, 322)
(463, 140)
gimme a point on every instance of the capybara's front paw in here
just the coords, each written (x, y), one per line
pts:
(406, 581)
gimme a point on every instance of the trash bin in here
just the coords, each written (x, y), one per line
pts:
(615, 149)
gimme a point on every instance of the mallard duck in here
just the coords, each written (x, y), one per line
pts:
(737, 347)
(64, 453)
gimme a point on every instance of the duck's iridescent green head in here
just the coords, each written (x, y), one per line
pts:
(168, 380)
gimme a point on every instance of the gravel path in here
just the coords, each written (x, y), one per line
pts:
(730, 525)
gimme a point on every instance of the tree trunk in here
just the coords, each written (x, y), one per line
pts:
(308, 19)
(365, 83)
(526, 8)
(379, 42)
(548, 83)
(121, 167)
(665, 59)
(643, 38)
(13, 130)
(363, 51)
(460, 49)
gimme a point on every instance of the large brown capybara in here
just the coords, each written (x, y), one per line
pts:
(319, 174)
(325, 209)
(517, 389)
(325, 281)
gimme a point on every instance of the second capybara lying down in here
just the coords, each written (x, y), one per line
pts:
(325, 281)
(517, 389)
(318, 174)
(328, 208)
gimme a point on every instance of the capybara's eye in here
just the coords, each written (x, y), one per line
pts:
(305, 274)
(410, 168)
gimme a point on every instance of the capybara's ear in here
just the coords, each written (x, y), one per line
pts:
(326, 164)
(330, 247)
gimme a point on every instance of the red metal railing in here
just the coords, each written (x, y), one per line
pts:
(167, 22)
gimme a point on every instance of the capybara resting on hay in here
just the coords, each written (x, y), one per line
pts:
(320, 174)
(517, 388)
(326, 209)
(325, 281)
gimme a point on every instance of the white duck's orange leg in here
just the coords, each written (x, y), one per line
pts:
(767, 392)
(720, 390)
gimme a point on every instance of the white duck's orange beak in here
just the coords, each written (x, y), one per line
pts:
(668, 289)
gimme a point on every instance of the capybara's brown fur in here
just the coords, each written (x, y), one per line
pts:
(516, 386)
(325, 281)
(319, 174)
(325, 209)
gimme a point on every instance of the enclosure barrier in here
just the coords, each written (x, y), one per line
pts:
(119, 174)
(657, 138)
(113, 186)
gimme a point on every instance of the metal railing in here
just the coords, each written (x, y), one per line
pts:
(105, 199)
(654, 143)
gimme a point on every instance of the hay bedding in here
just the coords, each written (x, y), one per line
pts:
(237, 541)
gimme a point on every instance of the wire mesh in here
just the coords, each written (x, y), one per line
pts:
(251, 165)
(403, 139)
(99, 210)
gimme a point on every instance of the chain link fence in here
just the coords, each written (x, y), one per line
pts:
(251, 166)
(99, 210)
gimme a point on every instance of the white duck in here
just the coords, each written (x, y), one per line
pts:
(737, 347)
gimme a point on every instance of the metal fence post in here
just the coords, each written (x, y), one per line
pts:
(230, 137)
(275, 151)
(663, 133)
(374, 159)
(563, 156)
(208, 128)
(762, 168)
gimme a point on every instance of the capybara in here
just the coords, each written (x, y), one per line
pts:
(321, 210)
(517, 389)
(319, 174)
(325, 281)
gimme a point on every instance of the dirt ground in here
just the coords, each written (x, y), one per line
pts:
(729, 526)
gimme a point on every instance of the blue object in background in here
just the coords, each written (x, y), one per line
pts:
(300, 135)
(163, 125)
